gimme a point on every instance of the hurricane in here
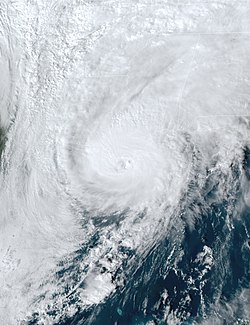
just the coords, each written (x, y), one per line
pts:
(125, 162)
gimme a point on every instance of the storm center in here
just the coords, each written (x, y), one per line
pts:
(124, 164)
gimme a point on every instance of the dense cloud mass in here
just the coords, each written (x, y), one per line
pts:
(125, 162)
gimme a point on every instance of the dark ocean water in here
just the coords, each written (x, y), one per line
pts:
(196, 267)
(134, 106)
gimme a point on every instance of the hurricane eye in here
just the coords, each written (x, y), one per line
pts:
(124, 164)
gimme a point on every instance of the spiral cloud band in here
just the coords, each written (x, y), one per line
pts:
(117, 115)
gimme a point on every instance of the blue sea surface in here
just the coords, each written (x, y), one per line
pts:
(176, 277)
